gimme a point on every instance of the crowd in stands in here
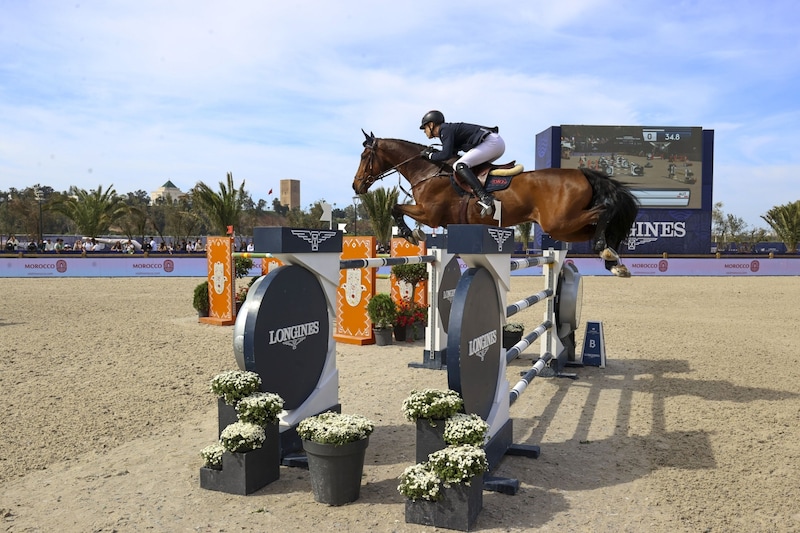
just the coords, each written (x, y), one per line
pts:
(105, 245)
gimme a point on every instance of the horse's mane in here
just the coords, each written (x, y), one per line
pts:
(403, 141)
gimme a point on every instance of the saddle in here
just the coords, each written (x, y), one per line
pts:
(493, 177)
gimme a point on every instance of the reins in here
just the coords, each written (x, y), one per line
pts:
(394, 169)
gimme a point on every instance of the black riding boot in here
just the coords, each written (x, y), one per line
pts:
(485, 200)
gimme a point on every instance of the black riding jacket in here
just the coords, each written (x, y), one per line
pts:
(459, 137)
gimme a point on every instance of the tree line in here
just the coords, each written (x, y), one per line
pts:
(40, 210)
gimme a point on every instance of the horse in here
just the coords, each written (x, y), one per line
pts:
(572, 205)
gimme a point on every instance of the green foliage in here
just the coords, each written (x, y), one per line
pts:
(432, 404)
(242, 266)
(200, 300)
(411, 273)
(233, 385)
(92, 212)
(224, 208)
(335, 428)
(378, 204)
(525, 233)
(260, 408)
(382, 311)
(785, 222)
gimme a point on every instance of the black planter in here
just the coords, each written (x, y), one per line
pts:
(226, 414)
(399, 333)
(245, 473)
(418, 329)
(336, 470)
(429, 438)
(383, 336)
(510, 338)
(458, 507)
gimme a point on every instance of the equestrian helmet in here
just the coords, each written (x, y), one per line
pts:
(432, 116)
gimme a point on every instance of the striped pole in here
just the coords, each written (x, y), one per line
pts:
(516, 307)
(519, 264)
(385, 261)
(523, 383)
(251, 255)
(520, 347)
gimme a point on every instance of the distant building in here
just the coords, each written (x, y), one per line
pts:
(168, 189)
(290, 193)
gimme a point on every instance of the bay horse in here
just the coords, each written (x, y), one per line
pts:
(572, 205)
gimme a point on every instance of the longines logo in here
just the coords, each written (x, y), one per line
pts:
(481, 344)
(500, 236)
(313, 237)
(293, 335)
(644, 232)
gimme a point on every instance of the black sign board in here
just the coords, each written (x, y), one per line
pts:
(296, 240)
(474, 341)
(285, 340)
(447, 290)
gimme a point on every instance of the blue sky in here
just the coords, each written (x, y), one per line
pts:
(133, 94)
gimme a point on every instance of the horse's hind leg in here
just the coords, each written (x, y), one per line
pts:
(608, 254)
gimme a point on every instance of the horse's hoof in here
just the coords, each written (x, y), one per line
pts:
(621, 271)
(412, 239)
(419, 235)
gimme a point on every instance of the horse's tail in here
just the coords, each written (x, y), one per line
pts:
(620, 204)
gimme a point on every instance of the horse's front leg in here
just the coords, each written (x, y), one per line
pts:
(398, 213)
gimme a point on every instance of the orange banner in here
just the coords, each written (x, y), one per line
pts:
(356, 287)
(401, 290)
(221, 281)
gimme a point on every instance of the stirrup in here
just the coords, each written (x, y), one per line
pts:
(487, 208)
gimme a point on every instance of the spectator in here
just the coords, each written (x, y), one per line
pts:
(12, 243)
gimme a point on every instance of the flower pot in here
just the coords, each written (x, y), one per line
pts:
(430, 438)
(510, 338)
(247, 472)
(336, 470)
(383, 336)
(226, 414)
(399, 333)
(457, 508)
(419, 330)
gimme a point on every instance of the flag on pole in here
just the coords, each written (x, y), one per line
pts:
(270, 192)
(230, 230)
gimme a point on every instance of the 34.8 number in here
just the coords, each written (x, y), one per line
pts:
(672, 136)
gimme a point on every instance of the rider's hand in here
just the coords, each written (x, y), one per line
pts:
(428, 152)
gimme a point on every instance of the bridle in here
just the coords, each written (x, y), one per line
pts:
(388, 172)
(371, 142)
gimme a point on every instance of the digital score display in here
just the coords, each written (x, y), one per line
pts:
(661, 164)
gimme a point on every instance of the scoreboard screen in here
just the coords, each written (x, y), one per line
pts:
(661, 164)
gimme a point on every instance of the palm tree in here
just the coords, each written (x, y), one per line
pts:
(785, 222)
(222, 209)
(525, 234)
(92, 212)
(378, 204)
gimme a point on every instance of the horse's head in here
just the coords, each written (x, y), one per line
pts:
(367, 172)
(382, 157)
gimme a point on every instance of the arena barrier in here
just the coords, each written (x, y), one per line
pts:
(476, 361)
(222, 279)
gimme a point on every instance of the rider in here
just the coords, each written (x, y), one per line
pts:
(480, 144)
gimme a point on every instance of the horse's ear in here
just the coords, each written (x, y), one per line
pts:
(370, 139)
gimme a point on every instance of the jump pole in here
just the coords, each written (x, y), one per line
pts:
(476, 361)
